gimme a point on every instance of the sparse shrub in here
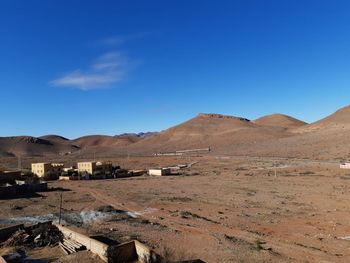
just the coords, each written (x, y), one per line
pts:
(17, 207)
(106, 209)
(258, 245)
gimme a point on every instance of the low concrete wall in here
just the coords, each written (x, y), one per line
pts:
(8, 191)
(64, 178)
(91, 244)
(125, 252)
(9, 176)
(39, 187)
(145, 254)
(20, 189)
(133, 251)
(6, 232)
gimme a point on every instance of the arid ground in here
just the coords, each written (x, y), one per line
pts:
(222, 209)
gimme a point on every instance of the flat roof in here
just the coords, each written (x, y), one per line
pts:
(8, 171)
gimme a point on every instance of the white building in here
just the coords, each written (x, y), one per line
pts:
(345, 165)
(159, 171)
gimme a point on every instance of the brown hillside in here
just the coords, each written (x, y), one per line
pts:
(31, 146)
(273, 135)
(279, 120)
(208, 130)
(55, 138)
(104, 141)
(327, 138)
(338, 120)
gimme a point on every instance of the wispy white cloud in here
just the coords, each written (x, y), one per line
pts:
(121, 39)
(108, 69)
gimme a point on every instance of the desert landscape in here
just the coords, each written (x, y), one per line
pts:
(286, 203)
(233, 208)
(174, 131)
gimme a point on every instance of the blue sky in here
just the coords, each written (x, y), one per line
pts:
(107, 67)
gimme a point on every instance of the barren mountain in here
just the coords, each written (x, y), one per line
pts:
(27, 145)
(55, 138)
(279, 120)
(104, 141)
(272, 135)
(338, 120)
(55, 144)
(276, 135)
(327, 138)
(205, 130)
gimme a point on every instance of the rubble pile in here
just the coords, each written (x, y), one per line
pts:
(39, 235)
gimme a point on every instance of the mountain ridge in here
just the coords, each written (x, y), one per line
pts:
(271, 135)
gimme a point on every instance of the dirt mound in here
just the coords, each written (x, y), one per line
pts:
(279, 120)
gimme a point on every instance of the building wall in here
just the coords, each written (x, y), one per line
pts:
(42, 169)
(88, 167)
(9, 176)
(104, 167)
(91, 167)
(7, 192)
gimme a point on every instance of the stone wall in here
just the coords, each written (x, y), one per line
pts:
(91, 244)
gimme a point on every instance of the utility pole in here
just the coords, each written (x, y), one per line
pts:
(275, 170)
(19, 163)
(60, 214)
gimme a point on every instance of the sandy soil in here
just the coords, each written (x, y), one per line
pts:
(223, 209)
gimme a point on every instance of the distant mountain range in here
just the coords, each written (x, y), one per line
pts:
(271, 135)
(59, 145)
